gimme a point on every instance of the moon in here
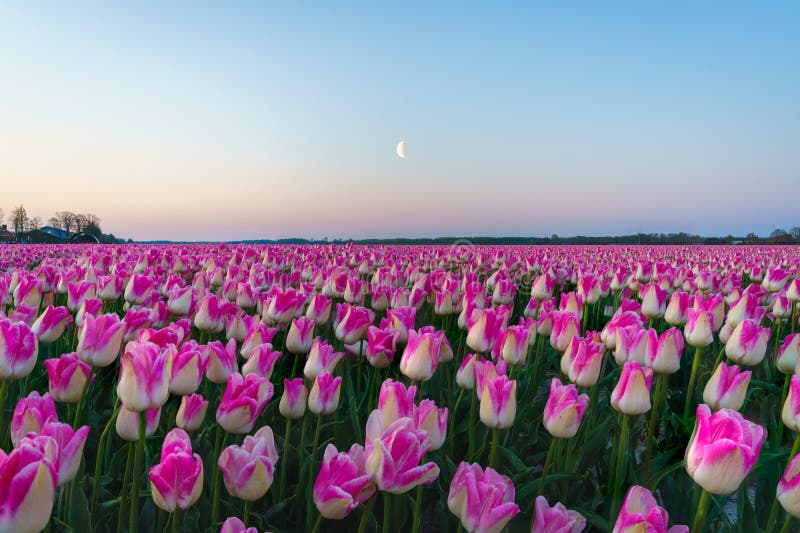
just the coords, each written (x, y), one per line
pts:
(401, 149)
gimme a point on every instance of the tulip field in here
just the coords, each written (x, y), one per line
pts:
(206, 388)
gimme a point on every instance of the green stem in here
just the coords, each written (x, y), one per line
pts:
(176, 521)
(284, 457)
(493, 449)
(137, 471)
(651, 427)
(619, 477)
(473, 415)
(101, 446)
(123, 497)
(221, 441)
(387, 512)
(310, 484)
(362, 524)
(787, 524)
(3, 389)
(317, 524)
(546, 468)
(245, 512)
(417, 510)
(76, 422)
(702, 510)
(452, 420)
(690, 390)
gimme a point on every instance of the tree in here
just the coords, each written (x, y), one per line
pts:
(66, 220)
(2, 215)
(32, 224)
(19, 220)
(794, 232)
(778, 232)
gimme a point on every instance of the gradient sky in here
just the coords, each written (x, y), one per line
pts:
(229, 120)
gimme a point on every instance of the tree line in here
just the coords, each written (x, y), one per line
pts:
(72, 223)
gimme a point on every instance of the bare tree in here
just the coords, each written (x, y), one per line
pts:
(2, 215)
(66, 220)
(795, 233)
(32, 224)
(19, 220)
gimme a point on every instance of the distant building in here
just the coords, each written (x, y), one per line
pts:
(48, 235)
(5, 235)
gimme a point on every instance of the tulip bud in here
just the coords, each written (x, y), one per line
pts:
(324, 396)
(191, 412)
(342, 483)
(556, 519)
(433, 421)
(66, 376)
(789, 488)
(641, 512)
(421, 355)
(31, 414)
(632, 393)
(127, 424)
(100, 339)
(18, 349)
(261, 361)
(145, 375)
(788, 354)
(791, 407)
(248, 470)
(51, 324)
(482, 500)
(321, 358)
(748, 343)
(298, 340)
(29, 486)
(498, 402)
(564, 410)
(698, 328)
(176, 482)
(243, 400)
(294, 399)
(723, 449)
(727, 388)
(465, 376)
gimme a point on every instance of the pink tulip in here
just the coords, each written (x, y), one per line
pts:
(261, 361)
(585, 362)
(566, 325)
(465, 376)
(70, 447)
(632, 393)
(243, 400)
(746, 307)
(27, 489)
(400, 319)
(28, 292)
(138, 289)
(498, 402)
(640, 512)
(283, 305)
(381, 346)
(235, 525)
(788, 354)
(485, 371)
(294, 399)
(620, 320)
(482, 500)
(298, 339)
(127, 424)
(571, 302)
(321, 358)
(188, 368)
(789, 488)
(324, 396)
(393, 455)
(100, 339)
(513, 344)
(395, 401)
(727, 388)
(775, 280)
(631, 345)
(319, 309)
(542, 287)
(564, 410)
(51, 324)
(421, 355)
(664, 353)
(66, 376)
(144, 376)
(677, 310)
(221, 361)
(210, 315)
(433, 420)
(176, 481)
(248, 470)
(18, 349)
(723, 449)
(31, 414)
(484, 326)
(258, 335)
(342, 483)
(191, 412)
(589, 288)
(698, 330)
(352, 322)
(791, 407)
(654, 301)
(180, 300)
(748, 343)
(556, 519)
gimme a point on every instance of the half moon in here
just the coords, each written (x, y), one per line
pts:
(401, 149)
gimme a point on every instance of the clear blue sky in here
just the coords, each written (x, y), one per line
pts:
(226, 120)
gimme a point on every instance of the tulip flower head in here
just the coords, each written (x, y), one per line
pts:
(343, 482)
(482, 500)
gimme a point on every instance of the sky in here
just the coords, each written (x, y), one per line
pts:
(241, 120)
